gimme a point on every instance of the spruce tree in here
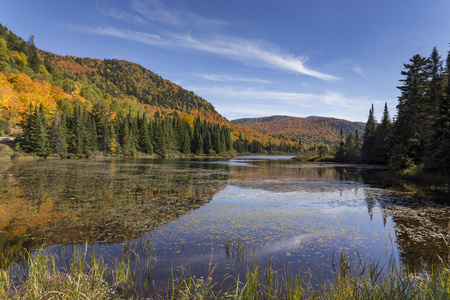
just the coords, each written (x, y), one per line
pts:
(76, 132)
(28, 137)
(145, 144)
(59, 135)
(436, 85)
(42, 146)
(368, 146)
(438, 158)
(412, 118)
(383, 137)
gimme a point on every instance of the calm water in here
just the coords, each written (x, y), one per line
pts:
(224, 213)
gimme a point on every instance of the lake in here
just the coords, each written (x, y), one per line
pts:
(199, 214)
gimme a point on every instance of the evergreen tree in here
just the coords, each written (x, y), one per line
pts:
(159, 139)
(185, 146)
(145, 145)
(383, 136)
(35, 136)
(368, 145)
(76, 132)
(59, 135)
(438, 158)
(197, 141)
(33, 55)
(43, 146)
(340, 154)
(436, 86)
(207, 143)
(412, 118)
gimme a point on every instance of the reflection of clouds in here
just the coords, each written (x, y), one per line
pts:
(293, 242)
(280, 186)
(228, 163)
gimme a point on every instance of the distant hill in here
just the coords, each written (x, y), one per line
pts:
(310, 131)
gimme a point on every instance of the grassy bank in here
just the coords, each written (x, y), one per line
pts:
(7, 153)
(313, 156)
(87, 276)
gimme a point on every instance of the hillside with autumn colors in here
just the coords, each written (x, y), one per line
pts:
(309, 131)
(104, 104)
(29, 75)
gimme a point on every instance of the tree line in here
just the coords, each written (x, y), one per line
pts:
(419, 136)
(253, 146)
(83, 133)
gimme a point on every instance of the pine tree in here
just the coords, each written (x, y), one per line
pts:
(207, 143)
(35, 134)
(436, 86)
(368, 146)
(59, 135)
(340, 154)
(145, 145)
(76, 132)
(185, 146)
(43, 147)
(438, 158)
(383, 137)
(159, 138)
(412, 118)
(197, 141)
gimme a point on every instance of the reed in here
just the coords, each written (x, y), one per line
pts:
(89, 277)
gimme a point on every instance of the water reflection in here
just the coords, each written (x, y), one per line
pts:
(224, 212)
(108, 201)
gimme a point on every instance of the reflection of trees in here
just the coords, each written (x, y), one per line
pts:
(421, 224)
(421, 228)
(285, 175)
(421, 220)
(99, 200)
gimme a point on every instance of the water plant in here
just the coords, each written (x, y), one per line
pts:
(87, 275)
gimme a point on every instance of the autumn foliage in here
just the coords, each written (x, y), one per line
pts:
(112, 87)
(306, 131)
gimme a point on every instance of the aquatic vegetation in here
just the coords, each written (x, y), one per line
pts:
(89, 277)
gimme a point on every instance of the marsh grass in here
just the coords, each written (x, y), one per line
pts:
(87, 276)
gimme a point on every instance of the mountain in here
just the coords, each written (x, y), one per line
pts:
(309, 131)
(29, 75)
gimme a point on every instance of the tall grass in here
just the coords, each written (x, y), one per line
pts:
(87, 276)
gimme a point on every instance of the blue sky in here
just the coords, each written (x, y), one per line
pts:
(251, 58)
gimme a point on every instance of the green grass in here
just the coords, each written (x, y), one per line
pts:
(5, 151)
(89, 277)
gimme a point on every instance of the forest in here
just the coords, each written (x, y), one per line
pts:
(69, 106)
(307, 132)
(418, 138)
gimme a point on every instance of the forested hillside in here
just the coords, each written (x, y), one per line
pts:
(65, 105)
(307, 131)
(120, 78)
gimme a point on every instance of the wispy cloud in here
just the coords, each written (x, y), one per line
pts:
(155, 10)
(142, 37)
(261, 102)
(225, 78)
(121, 15)
(248, 51)
(358, 70)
